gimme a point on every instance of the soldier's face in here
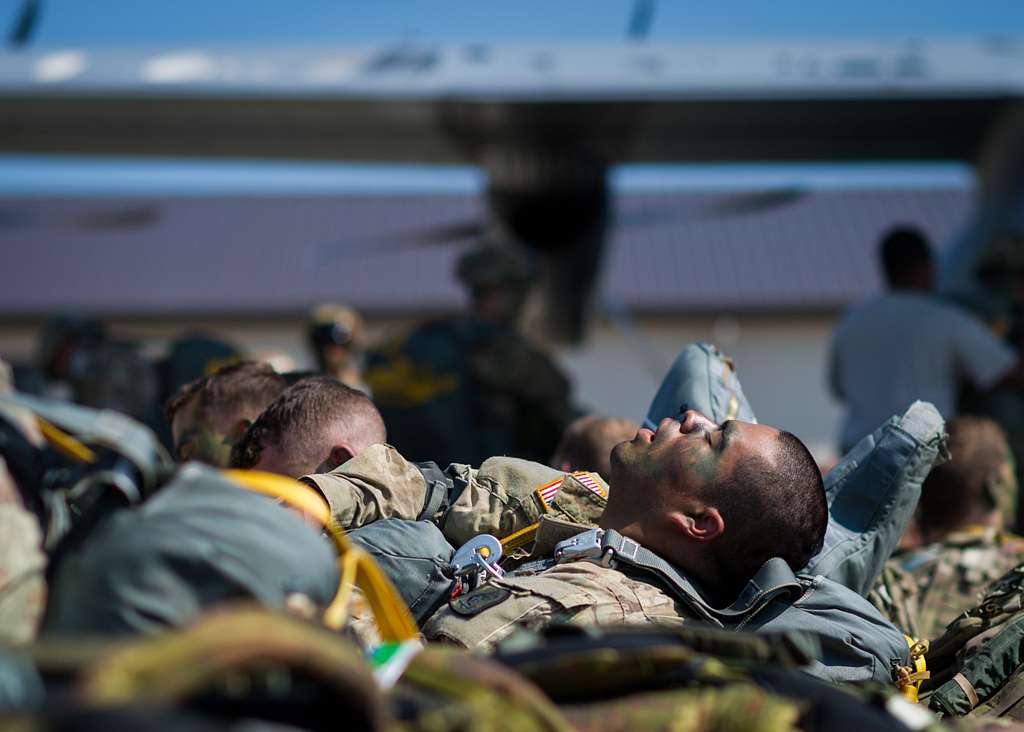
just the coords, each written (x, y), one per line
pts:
(690, 454)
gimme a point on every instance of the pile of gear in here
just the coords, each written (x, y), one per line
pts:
(233, 599)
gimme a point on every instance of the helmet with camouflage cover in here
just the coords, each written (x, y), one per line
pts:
(490, 264)
(337, 324)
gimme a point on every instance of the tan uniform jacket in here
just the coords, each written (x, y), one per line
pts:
(505, 496)
(580, 593)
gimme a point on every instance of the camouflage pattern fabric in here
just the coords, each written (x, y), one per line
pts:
(461, 390)
(500, 497)
(736, 708)
(447, 690)
(22, 574)
(580, 593)
(924, 590)
(863, 646)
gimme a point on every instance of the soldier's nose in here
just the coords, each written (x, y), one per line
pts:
(691, 420)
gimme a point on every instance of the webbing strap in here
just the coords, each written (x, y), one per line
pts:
(968, 688)
(775, 579)
(357, 568)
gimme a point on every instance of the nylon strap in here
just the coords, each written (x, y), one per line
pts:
(775, 579)
(356, 567)
(968, 688)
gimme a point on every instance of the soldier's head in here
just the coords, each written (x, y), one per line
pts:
(977, 486)
(718, 500)
(587, 443)
(209, 415)
(498, 277)
(336, 337)
(907, 259)
(313, 427)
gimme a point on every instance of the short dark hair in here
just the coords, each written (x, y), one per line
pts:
(902, 251)
(978, 475)
(773, 507)
(248, 385)
(297, 420)
(183, 395)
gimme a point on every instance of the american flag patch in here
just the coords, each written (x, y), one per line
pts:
(548, 491)
(587, 479)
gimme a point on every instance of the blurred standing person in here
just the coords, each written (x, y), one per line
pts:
(464, 388)
(906, 344)
(62, 352)
(336, 338)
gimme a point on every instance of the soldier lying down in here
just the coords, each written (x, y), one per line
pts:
(703, 521)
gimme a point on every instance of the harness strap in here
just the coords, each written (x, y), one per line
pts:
(968, 689)
(356, 567)
(441, 491)
(773, 581)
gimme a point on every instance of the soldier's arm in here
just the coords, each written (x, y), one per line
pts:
(378, 483)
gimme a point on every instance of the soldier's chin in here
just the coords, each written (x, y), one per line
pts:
(618, 458)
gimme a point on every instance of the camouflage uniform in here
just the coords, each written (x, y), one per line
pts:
(865, 646)
(505, 395)
(22, 560)
(22, 578)
(505, 496)
(923, 590)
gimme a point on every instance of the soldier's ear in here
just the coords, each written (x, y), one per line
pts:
(339, 455)
(704, 524)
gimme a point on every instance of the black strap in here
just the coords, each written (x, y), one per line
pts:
(441, 490)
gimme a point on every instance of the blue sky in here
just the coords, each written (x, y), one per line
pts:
(47, 175)
(295, 21)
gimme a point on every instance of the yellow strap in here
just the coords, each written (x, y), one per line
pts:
(64, 443)
(357, 568)
(909, 678)
(520, 538)
(297, 495)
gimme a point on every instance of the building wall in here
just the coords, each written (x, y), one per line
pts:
(780, 359)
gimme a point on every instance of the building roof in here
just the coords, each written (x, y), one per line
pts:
(276, 255)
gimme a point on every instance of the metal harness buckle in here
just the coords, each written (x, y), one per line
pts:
(474, 561)
(584, 547)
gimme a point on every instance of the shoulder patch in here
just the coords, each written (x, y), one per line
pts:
(546, 493)
(478, 600)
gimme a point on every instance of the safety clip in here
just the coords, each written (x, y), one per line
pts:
(476, 560)
(583, 547)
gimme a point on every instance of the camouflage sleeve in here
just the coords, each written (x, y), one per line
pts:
(580, 593)
(507, 496)
(378, 483)
(504, 496)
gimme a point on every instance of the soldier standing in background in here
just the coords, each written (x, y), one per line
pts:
(336, 338)
(465, 388)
